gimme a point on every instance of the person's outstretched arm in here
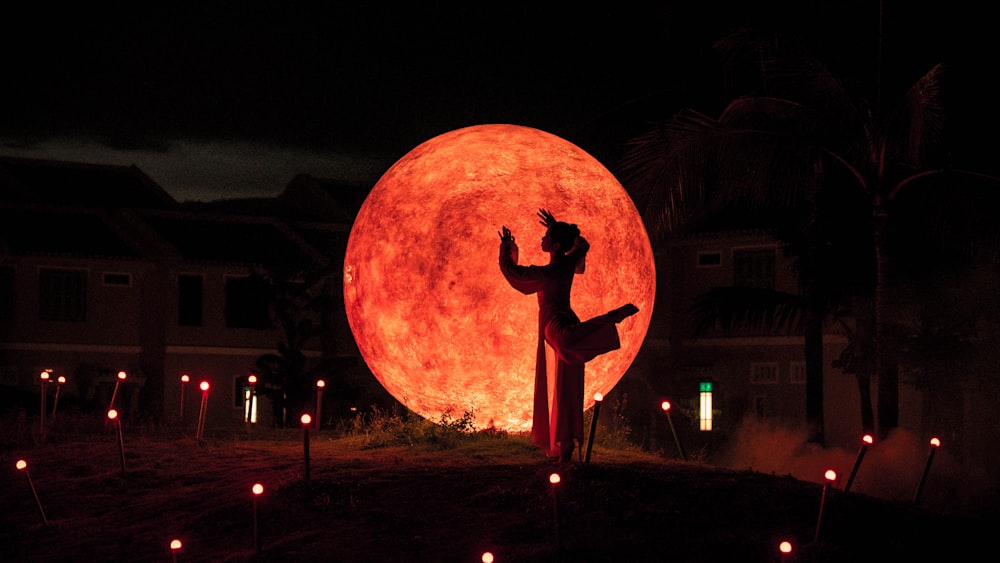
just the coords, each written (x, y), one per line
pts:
(507, 245)
(526, 279)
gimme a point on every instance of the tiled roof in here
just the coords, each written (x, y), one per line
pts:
(328, 239)
(317, 199)
(88, 210)
(231, 239)
(33, 230)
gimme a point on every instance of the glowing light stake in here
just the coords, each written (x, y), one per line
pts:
(306, 421)
(830, 476)
(935, 444)
(665, 405)
(23, 466)
(184, 381)
(487, 557)
(320, 384)
(61, 380)
(866, 441)
(554, 479)
(121, 377)
(201, 413)
(593, 425)
(113, 416)
(44, 377)
(785, 548)
(257, 490)
(175, 546)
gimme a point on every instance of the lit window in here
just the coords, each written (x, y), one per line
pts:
(705, 406)
(245, 397)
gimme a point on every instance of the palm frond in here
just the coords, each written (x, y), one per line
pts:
(731, 308)
(694, 167)
(915, 129)
(664, 168)
(949, 215)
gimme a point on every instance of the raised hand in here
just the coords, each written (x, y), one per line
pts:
(547, 220)
(505, 235)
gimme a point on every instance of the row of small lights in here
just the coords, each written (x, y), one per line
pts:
(784, 547)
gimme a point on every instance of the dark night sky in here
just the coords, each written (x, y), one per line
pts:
(231, 99)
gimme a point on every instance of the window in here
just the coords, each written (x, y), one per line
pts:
(709, 259)
(246, 303)
(705, 406)
(760, 407)
(6, 293)
(62, 295)
(119, 279)
(798, 373)
(754, 268)
(764, 373)
(245, 398)
(189, 300)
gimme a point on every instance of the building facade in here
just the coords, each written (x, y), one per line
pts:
(103, 273)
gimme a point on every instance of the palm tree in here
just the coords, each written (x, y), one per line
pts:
(299, 308)
(837, 171)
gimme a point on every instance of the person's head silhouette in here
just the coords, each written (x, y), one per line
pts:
(563, 235)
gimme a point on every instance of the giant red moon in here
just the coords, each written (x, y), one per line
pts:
(433, 317)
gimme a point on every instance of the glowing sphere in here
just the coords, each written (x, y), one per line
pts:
(433, 317)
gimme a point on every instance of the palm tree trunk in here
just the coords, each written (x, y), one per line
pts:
(813, 336)
(865, 394)
(865, 367)
(886, 363)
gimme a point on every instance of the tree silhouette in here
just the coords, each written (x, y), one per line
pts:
(298, 304)
(841, 184)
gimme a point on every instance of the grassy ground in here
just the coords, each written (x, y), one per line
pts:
(429, 493)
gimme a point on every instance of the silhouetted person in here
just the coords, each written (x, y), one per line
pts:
(565, 343)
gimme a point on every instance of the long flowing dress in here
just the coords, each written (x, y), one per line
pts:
(565, 344)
